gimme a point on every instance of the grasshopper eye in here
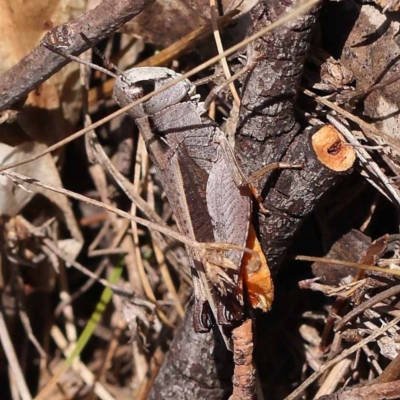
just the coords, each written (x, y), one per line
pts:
(145, 86)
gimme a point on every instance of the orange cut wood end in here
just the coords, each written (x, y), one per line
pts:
(257, 276)
(332, 150)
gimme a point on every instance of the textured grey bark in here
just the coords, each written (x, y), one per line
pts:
(197, 367)
(42, 63)
(267, 128)
(293, 197)
(267, 124)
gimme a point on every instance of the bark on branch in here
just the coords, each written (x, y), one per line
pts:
(196, 367)
(268, 131)
(294, 195)
(42, 63)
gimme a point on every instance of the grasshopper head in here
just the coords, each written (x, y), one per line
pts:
(137, 82)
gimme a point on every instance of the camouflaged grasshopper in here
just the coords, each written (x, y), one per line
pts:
(208, 194)
(209, 198)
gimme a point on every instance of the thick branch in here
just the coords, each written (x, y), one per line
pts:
(197, 367)
(267, 128)
(266, 122)
(295, 193)
(42, 63)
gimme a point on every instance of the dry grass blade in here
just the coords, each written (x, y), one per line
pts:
(365, 267)
(13, 360)
(218, 42)
(151, 225)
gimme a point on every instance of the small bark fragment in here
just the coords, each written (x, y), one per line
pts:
(42, 63)
(349, 247)
(244, 374)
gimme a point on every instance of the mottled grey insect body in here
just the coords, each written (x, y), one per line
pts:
(184, 145)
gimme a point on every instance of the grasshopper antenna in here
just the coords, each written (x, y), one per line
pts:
(57, 49)
(106, 61)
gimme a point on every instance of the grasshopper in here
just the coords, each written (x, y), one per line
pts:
(207, 192)
(205, 188)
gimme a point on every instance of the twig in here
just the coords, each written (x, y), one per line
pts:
(372, 359)
(366, 267)
(346, 353)
(369, 129)
(151, 225)
(393, 291)
(79, 367)
(84, 288)
(220, 48)
(267, 126)
(13, 359)
(165, 56)
(391, 373)
(244, 383)
(381, 391)
(371, 167)
(60, 253)
(19, 285)
(84, 337)
(41, 63)
(193, 366)
(333, 378)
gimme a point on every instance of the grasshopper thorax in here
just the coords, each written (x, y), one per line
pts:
(137, 82)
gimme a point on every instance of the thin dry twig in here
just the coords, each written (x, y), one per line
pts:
(79, 367)
(334, 377)
(371, 167)
(244, 382)
(41, 63)
(220, 48)
(346, 353)
(12, 359)
(366, 267)
(23, 314)
(60, 253)
(165, 56)
(393, 291)
(369, 129)
(151, 225)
